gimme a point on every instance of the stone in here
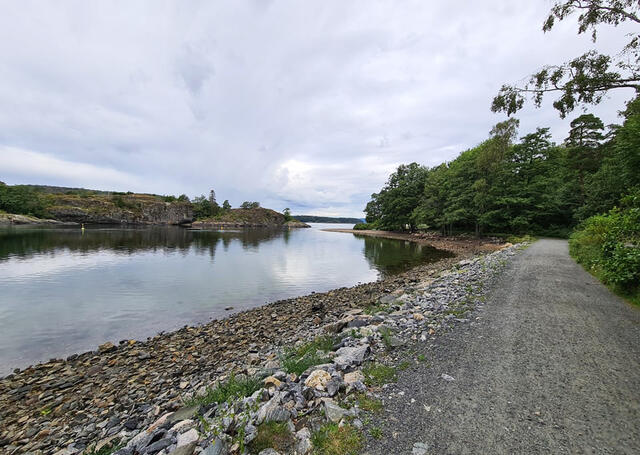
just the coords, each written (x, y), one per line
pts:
(271, 411)
(420, 448)
(219, 447)
(448, 378)
(269, 452)
(157, 446)
(304, 445)
(253, 359)
(349, 356)
(187, 437)
(354, 376)
(318, 379)
(333, 386)
(187, 449)
(333, 412)
(418, 316)
(106, 347)
(272, 381)
(183, 413)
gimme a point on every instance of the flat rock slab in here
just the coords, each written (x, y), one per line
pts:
(551, 366)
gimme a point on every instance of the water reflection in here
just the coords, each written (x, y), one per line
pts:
(62, 291)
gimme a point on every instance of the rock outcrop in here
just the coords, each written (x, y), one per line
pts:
(249, 218)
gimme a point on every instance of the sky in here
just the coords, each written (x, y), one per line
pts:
(307, 105)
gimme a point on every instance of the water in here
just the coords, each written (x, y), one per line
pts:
(63, 291)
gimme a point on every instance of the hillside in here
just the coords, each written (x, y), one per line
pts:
(255, 217)
(88, 206)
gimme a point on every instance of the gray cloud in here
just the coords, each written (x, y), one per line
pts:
(302, 104)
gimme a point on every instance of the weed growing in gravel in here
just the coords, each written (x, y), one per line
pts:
(374, 308)
(377, 374)
(273, 435)
(297, 360)
(331, 439)
(404, 365)
(375, 432)
(232, 388)
(386, 334)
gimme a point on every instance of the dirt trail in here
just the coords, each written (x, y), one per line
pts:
(552, 365)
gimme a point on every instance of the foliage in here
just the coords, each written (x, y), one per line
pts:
(332, 439)
(234, 387)
(609, 246)
(249, 205)
(297, 360)
(272, 435)
(21, 200)
(204, 207)
(367, 403)
(585, 79)
(363, 226)
(225, 205)
(287, 214)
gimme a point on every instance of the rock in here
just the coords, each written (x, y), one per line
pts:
(253, 359)
(187, 437)
(333, 386)
(271, 381)
(349, 356)
(269, 452)
(219, 447)
(132, 423)
(355, 376)
(157, 446)
(271, 411)
(107, 347)
(318, 379)
(420, 448)
(446, 377)
(184, 413)
(187, 449)
(418, 316)
(333, 412)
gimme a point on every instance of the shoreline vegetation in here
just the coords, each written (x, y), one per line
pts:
(97, 394)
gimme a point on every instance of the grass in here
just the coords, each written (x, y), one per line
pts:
(232, 388)
(375, 432)
(334, 440)
(377, 374)
(374, 308)
(272, 435)
(386, 333)
(404, 365)
(367, 403)
(299, 359)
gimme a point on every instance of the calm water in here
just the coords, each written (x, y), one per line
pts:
(63, 291)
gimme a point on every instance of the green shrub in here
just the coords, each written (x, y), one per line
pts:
(297, 360)
(273, 435)
(609, 246)
(362, 227)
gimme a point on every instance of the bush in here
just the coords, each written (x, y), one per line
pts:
(609, 246)
(362, 226)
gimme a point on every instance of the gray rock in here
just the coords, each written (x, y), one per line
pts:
(420, 448)
(187, 437)
(158, 446)
(349, 356)
(219, 447)
(269, 452)
(271, 411)
(333, 412)
(187, 449)
(183, 414)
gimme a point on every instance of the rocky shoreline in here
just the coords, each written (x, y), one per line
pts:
(64, 406)
(9, 219)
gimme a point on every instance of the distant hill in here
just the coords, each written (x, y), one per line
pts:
(327, 219)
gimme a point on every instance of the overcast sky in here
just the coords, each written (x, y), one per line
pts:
(301, 104)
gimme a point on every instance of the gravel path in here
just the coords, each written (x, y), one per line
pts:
(552, 365)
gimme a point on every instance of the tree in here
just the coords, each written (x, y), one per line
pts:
(287, 214)
(250, 205)
(225, 205)
(183, 198)
(212, 198)
(203, 208)
(583, 148)
(587, 78)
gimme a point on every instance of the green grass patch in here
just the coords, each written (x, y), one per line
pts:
(333, 440)
(375, 432)
(367, 403)
(404, 365)
(233, 387)
(374, 308)
(297, 360)
(377, 374)
(272, 435)
(386, 333)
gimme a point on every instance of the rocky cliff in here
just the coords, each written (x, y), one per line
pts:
(117, 209)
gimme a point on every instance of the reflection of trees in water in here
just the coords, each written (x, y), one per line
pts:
(393, 256)
(25, 242)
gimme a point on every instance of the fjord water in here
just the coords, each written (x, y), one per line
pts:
(65, 291)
